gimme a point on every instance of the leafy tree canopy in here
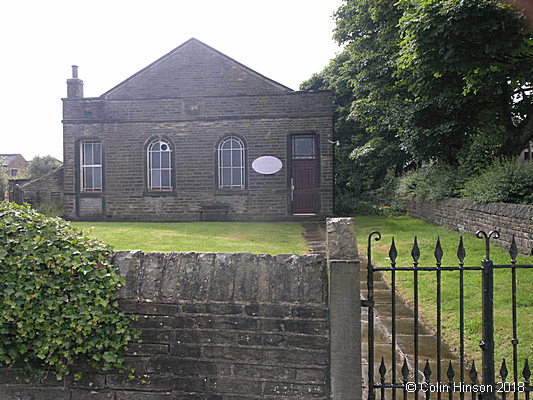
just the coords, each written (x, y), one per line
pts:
(468, 65)
(363, 88)
(40, 166)
(430, 80)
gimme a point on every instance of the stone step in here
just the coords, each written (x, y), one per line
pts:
(404, 348)
(315, 237)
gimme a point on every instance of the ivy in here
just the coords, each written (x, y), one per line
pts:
(56, 297)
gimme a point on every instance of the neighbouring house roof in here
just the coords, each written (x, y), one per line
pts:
(9, 160)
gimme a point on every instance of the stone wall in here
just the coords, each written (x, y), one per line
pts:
(214, 326)
(266, 129)
(465, 216)
(45, 189)
(14, 190)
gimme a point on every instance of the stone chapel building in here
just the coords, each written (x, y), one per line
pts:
(197, 136)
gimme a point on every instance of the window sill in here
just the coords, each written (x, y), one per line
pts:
(159, 193)
(231, 192)
(91, 194)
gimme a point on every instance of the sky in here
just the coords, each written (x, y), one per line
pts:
(110, 40)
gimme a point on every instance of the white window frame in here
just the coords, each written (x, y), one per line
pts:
(94, 166)
(231, 185)
(527, 153)
(158, 186)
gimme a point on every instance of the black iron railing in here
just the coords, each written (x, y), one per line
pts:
(428, 385)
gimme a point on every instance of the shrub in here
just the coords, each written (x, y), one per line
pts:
(56, 297)
(432, 182)
(350, 205)
(50, 209)
(393, 209)
(504, 181)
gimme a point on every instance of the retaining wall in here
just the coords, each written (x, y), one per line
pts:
(231, 327)
(214, 326)
(466, 216)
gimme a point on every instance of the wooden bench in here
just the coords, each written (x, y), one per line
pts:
(214, 211)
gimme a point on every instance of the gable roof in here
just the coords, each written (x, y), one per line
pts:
(8, 159)
(194, 69)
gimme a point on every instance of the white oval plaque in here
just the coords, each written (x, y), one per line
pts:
(267, 165)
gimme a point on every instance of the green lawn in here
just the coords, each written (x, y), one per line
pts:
(230, 237)
(286, 237)
(404, 229)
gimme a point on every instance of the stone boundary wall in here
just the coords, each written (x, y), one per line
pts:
(466, 216)
(39, 190)
(214, 326)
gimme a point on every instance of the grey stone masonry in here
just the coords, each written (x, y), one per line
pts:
(344, 309)
(213, 326)
(466, 216)
(340, 239)
(193, 98)
(45, 189)
(234, 277)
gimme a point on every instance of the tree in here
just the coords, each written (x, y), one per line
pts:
(40, 166)
(468, 65)
(427, 81)
(443, 80)
(363, 89)
(346, 129)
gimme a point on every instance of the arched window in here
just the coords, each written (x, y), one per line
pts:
(231, 159)
(159, 153)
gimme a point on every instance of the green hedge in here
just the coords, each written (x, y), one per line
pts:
(505, 181)
(433, 182)
(502, 182)
(56, 297)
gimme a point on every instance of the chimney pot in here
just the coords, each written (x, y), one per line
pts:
(74, 85)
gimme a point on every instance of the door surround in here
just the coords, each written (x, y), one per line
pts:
(303, 174)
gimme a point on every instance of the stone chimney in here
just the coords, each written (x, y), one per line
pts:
(74, 85)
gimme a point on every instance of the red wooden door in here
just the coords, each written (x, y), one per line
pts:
(304, 186)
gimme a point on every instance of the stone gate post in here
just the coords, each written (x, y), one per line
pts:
(344, 309)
